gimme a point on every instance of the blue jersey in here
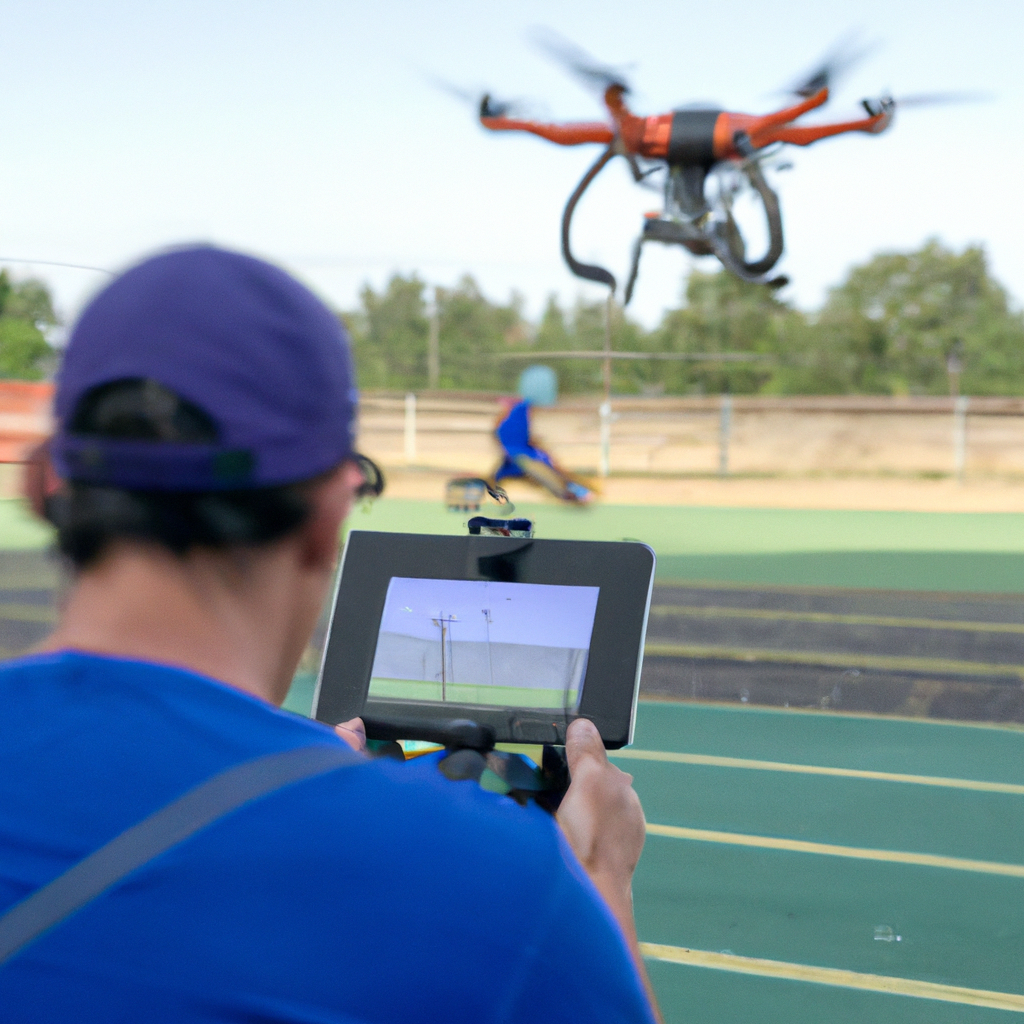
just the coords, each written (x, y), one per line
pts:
(513, 433)
(377, 892)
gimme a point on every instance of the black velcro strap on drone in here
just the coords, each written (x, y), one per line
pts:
(692, 139)
(172, 824)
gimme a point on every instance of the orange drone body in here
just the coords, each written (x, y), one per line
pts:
(651, 137)
(690, 144)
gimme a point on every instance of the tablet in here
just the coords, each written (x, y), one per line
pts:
(518, 635)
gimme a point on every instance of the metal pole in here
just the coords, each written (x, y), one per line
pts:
(433, 345)
(605, 412)
(608, 347)
(490, 662)
(960, 437)
(724, 431)
(410, 429)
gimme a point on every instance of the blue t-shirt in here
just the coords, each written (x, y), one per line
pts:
(513, 433)
(378, 892)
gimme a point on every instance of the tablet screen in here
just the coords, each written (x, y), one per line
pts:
(484, 642)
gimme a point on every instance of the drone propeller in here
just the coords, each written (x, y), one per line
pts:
(887, 103)
(934, 99)
(845, 53)
(578, 62)
(484, 103)
(490, 107)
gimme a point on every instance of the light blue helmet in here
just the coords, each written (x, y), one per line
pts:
(538, 385)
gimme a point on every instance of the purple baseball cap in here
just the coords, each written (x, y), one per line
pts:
(241, 339)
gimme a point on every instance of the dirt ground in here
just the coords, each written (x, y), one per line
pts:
(868, 493)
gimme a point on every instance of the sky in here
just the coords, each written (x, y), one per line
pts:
(536, 614)
(308, 132)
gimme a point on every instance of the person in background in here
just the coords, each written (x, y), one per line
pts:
(523, 456)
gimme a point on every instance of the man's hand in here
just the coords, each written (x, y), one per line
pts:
(601, 815)
(353, 732)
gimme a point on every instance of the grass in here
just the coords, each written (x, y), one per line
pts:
(957, 551)
(469, 693)
(20, 530)
(982, 552)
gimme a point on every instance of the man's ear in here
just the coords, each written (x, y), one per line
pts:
(331, 500)
(40, 483)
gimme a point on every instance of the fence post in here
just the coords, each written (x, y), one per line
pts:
(433, 344)
(410, 429)
(605, 413)
(724, 432)
(960, 437)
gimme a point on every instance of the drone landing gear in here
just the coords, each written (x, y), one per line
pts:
(725, 237)
(587, 271)
(719, 237)
(669, 232)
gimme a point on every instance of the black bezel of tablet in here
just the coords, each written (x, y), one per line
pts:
(624, 572)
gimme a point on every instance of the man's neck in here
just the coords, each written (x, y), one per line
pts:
(227, 616)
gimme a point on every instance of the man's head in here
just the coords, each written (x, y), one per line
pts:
(205, 411)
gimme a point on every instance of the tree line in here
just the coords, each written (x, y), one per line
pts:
(900, 324)
(912, 323)
(26, 313)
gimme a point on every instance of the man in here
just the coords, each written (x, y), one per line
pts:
(204, 435)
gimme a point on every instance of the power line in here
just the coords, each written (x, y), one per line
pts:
(690, 357)
(57, 263)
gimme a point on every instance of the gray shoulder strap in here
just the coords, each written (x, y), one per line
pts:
(172, 824)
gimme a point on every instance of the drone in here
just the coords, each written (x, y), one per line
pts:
(709, 156)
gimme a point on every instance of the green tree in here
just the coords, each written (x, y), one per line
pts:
(389, 335)
(473, 332)
(26, 310)
(724, 314)
(887, 329)
(584, 330)
(891, 325)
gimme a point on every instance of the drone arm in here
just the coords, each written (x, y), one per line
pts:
(572, 134)
(781, 117)
(797, 136)
(762, 129)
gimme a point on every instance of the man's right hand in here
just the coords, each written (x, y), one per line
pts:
(601, 815)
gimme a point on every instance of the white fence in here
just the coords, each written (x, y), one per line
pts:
(706, 436)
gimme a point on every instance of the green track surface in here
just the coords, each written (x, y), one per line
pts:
(957, 927)
(798, 547)
(912, 747)
(690, 994)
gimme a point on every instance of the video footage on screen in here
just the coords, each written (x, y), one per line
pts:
(484, 642)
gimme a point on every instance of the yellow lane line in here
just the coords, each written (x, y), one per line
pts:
(834, 977)
(884, 663)
(718, 612)
(936, 596)
(685, 703)
(27, 613)
(816, 769)
(927, 860)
